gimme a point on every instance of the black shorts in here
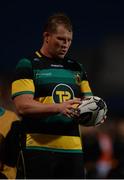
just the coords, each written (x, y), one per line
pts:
(53, 165)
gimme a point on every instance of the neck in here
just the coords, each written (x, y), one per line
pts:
(45, 52)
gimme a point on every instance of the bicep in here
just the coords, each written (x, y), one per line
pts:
(22, 101)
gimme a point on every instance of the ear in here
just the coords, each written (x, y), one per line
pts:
(46, 36)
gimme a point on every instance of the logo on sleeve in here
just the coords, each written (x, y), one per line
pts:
(61, 93)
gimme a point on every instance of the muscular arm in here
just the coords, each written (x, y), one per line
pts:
(27, 106)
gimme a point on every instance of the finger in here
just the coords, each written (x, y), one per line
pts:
(101, 122)
(70, 113)
(75, 102)
(74, 113)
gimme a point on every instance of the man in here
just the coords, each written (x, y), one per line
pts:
(47, 87)
(8, 144)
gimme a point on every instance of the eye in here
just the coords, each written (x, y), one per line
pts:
(61, 39)
(69, 40)
(65, 40)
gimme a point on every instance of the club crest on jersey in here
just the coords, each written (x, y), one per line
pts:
(78, 79)
(61, 93)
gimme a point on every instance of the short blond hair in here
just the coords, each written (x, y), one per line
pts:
(58, 19)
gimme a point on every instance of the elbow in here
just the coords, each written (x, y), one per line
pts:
(22, 110)
(23, 104)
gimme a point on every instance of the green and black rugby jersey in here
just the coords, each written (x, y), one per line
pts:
(51, 81)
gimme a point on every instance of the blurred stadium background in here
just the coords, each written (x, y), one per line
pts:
(98, 43)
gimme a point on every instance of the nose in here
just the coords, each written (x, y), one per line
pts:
(66, 44)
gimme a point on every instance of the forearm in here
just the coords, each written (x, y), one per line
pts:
(36, 109)
(27, 106)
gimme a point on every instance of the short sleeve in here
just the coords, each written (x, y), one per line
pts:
(23, 78)
(85, 87)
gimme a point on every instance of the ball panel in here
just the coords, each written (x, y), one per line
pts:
(92, 111)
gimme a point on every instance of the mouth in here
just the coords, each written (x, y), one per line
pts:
(63, 52)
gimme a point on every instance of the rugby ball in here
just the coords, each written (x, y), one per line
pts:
(92, 110)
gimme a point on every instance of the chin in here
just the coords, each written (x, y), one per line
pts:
(61, 56)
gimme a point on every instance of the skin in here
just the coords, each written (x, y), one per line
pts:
(55, 45)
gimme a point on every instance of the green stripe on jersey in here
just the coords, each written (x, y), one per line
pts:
(55, 150)
(55, 76)
(21, 93)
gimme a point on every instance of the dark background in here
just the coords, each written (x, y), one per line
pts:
(98, 42)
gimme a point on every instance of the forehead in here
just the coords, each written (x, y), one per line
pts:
(61, 29)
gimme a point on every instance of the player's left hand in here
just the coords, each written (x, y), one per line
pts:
(102, 121)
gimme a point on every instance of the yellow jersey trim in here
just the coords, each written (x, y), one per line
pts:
(85, 87)
(53, 141)
(22, 85)
(38, 54)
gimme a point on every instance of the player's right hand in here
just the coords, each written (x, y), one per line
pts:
(68, 107)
